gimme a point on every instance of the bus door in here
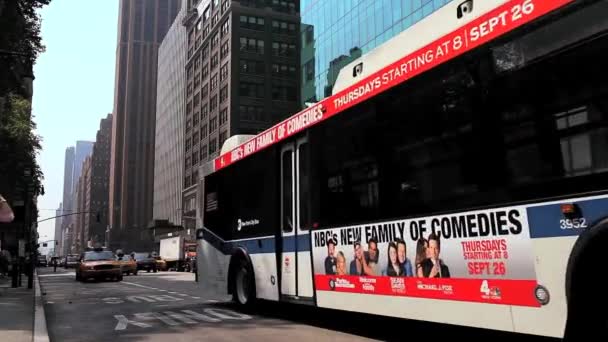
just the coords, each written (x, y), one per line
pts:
(295, 262)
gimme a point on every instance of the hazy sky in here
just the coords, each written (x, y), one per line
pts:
(74, 86)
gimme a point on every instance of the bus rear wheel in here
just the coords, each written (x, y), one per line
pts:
(243, 289)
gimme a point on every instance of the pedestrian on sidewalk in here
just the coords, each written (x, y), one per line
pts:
(6, 213)
(54, 264)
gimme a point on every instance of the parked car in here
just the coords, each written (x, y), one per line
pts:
(161, 264)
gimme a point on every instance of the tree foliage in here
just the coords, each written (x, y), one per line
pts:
(20, 40)
(19, 146)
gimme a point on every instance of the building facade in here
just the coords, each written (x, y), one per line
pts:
(99, 182)
(68, 190)
(142, 26)
(170, 112)
(57, 236)
(242, 75)
(334, 33)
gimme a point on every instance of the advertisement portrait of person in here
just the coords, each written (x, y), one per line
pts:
(341, 264)
(371, 256)
(393, 267)
(433, 267)
(330, 260)
(357, 264)
(404, 261)
(421, 255)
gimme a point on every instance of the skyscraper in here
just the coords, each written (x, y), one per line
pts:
(169, 141)
(99, 182)
(58, 212)
(142, 25)
(242, 75)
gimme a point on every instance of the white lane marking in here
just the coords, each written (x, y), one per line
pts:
(156, 315)
(136, 299)
(173, 292)
(190, 317)
(135, 284)
(207, 301)
(123, 322)
(172, 318)
(71, 274)
(183, 294)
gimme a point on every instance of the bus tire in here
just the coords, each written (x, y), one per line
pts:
(243, 287)
(584, 268)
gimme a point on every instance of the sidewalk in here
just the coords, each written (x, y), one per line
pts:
(21, 312)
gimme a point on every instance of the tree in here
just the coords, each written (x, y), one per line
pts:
(20, 40)
(18, 147)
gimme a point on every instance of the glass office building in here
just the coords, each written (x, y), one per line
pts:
(335, 32)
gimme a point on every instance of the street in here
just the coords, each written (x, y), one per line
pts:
(168, 306)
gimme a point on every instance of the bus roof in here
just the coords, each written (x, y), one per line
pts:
(456, 28)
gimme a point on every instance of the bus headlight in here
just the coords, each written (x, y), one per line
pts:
(542, 294)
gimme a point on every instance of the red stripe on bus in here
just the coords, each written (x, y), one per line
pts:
(493, 291)
(487, 27)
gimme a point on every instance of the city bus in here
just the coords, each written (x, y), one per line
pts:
(458, 174)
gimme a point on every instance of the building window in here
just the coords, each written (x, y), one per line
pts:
(188, 125)
(205, 91)
(224, 72)
(251, 66)
(309, 70)
(188, 162)
(252, 45)
(197, 80)
(223, 94)
(212, 146)
(214, 61)
(187, 182)
(195, 137)
(225, 27)
(204, 132)
(205, 52)
(285, 6)
(225, 5)
(251, 89)
(225, 49)
(283, 70)
(223, 116)
(215, 40)
(283, 27)
(213, 103)
(189, 108)
(252, 23)
(251, 113)
(188, 144)
(283, 92)
(204, 112)
(203, 153)
(283, 49)
(205, 71)
(194, 158)
(213, 83)
(212, 124)
(223, 137)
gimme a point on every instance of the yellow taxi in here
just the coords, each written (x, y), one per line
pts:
(99, 264)
(161, 264)
(128, 264)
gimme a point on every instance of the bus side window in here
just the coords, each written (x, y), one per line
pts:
(304, 186)
(287, 192)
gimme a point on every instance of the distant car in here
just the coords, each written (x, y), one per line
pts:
(145, 261)
(98, 264)
(71, 261)
(128, 264)
(42, 262)
(161, 264)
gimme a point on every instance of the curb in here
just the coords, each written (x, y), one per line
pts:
(40, 331)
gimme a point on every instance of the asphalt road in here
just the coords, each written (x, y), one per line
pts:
(168, 306)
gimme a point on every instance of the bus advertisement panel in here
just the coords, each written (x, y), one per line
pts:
(484, 256)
